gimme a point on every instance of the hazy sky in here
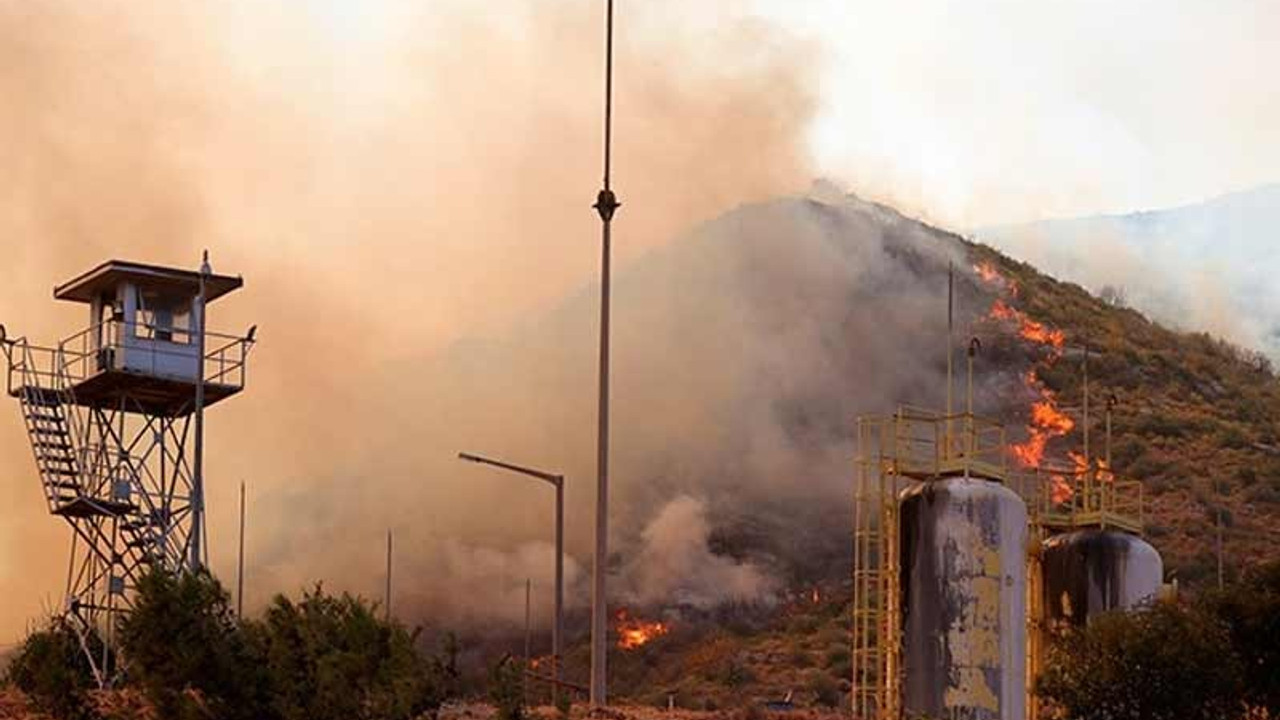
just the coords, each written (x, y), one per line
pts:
(396, 176)
(993, 111)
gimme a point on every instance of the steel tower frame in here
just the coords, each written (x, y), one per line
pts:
(111, 449)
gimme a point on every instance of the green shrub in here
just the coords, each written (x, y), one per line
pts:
(1170, 662)
(52, 669)
(184, 650)
(506, 688)
(331, 658)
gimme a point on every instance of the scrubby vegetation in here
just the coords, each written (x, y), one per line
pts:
(323, 657)
(52, 669)
(1214, 658)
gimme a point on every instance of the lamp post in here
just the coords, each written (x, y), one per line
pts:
(606, 205)
(557, 627)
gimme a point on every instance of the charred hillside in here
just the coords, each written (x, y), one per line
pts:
(820, 311)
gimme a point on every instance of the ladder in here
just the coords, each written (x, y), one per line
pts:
(876, 634)
(49, 414)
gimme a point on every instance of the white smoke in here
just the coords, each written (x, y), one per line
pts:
(675, 563)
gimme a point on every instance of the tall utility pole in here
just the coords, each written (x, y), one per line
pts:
(606, 204)
(240, 560)
(557, 626)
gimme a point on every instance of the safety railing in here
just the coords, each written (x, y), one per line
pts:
(930, 444)
(161, 351)
(1062, 496)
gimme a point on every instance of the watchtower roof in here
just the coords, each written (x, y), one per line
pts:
(112, 272)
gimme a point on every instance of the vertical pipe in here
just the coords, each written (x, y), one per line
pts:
(388, 591)
(557, 627)
(950, 341)
(1087, 457)
(197, 481)
(240, 560)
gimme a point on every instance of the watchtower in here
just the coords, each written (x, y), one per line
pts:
(115, 417)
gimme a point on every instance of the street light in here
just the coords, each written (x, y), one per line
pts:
(557, 627)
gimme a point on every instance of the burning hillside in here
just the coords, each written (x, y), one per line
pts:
(634, 632)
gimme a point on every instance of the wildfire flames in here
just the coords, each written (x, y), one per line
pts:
(635, 632)
(1046, 421)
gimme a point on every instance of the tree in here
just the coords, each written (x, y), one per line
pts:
(1168, 662)
(331, 657)
(51, 668)
(183, 648)
(1251, 612)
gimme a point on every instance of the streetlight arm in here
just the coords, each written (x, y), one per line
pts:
(552, 478)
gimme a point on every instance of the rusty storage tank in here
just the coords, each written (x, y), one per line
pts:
(1091, 571)
(963, 575)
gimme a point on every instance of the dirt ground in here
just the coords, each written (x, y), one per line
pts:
(14, 707)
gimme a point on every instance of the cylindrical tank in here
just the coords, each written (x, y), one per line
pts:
(1088, 572)
(963, 575)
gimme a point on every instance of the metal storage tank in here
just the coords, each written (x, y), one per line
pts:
(963, 576)
(1091, 571)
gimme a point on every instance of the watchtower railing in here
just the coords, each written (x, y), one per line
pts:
(96, 349)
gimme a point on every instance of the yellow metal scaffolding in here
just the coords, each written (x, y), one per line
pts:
(911, 446)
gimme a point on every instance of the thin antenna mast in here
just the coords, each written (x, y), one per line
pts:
(951, 276)
(606, 204)
(388, 595)
(240, 560)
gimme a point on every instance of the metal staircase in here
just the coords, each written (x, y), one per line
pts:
(49, 414)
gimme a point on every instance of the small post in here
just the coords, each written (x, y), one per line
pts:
(240, 560)
(528, 639)
(1111, 404)
(388, 592)
(557, 629)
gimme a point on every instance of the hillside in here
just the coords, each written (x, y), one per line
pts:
(1196, 419)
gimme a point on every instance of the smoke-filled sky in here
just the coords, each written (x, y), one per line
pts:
(406, 187)
(1003, 111)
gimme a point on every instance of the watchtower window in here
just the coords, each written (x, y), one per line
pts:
(162, 318)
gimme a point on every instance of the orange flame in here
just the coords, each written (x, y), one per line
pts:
(988, 273)
(1104, 471)
(815, 596)
(634, 632)
(1060, 491)
(1047, 422)
(1029, 329)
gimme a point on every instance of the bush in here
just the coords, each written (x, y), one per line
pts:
(825, 689)
(331, 658)
(184, 650)
(322, 658)
(506, 688)
(1170, 662)
(1251, 612)
(52, 669)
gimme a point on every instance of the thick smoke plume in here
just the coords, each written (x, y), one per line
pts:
(407, 193)
(391, 178)
(675, 565)
(1201, 267)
